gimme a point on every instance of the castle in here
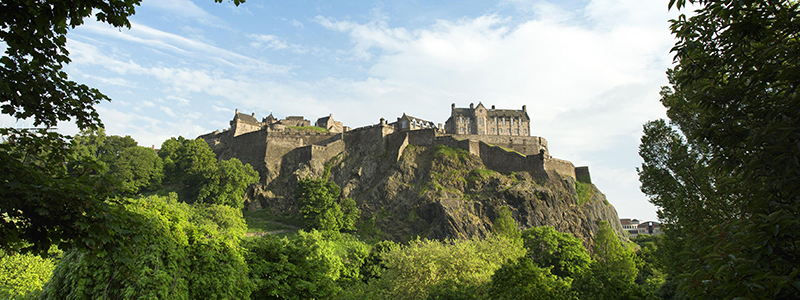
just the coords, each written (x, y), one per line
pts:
(500, 137)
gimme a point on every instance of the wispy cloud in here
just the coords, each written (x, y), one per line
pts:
(181, 46)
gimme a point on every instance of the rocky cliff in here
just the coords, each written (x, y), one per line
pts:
(438, 192)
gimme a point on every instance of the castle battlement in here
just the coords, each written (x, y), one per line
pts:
(509, 147)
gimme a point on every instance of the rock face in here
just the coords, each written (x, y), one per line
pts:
(438, 192)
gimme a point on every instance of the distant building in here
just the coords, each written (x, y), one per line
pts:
(331, 125)
(479, 120)
(631, 226)
(407, 122)
(650, 227)
(634, 227)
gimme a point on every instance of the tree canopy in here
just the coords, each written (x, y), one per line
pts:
(724, 171)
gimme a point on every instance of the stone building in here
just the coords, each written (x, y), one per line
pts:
(482, 121)
(407, 122)
(328, 123)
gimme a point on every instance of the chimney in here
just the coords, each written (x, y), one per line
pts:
(440, 126)
(471, 107)
(523, 109)
(383, 121)
(453, 106)
(237, 110)
(492, 107)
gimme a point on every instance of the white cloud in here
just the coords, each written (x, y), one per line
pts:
(268, 41)
(185, 9)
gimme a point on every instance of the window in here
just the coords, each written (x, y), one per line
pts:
(404, 124)
(492, 130)
(512, 122)
(480, 121)
(460, 120)
(495, 120)
(480, 131)
(501, 130)
(517, 131)
(524, 131)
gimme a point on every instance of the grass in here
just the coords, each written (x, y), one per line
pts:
(259, 225)
(257, 221)
(585, 192)
(314, 128)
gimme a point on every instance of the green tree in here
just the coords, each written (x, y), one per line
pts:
(161, 255)
(136, 168)
(228, 184)
(563, 252)
(41, 205)
(306, 266)
(522, 279)
(192, 165)
(318, 200)
(612, 272)
(423, 265)
(23, 275)
(45, 204)
(725, 171)
(505, 225)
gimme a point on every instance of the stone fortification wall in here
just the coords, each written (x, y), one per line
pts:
(582, 174)
(562, 167)
(369, 139)
(322, 153)
(502, 160)
(527, 145)
(249, 148)
(240, 128)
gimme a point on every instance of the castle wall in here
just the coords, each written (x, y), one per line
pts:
(367, 139)
(240, 128)
(250, 148)
(582, 174)
(322, 153)
(501, 160)
(527, 145)
(562, 167)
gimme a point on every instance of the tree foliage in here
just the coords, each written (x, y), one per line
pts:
(725, 171)
(43, 203)
(422, 264)
(612, 273)
(135, 168)
(563, 252)
(310, 265)
(319, 199)
(23, 275)
(193, 165)
(522, 279)
(505, 225)
(162, 255)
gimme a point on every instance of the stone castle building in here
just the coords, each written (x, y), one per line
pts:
(500, 137)
(481, 121)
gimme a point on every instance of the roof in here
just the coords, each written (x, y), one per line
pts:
(246, 118)
(500, 113)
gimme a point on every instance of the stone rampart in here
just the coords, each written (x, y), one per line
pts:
(322, 153)
(369, 139)
(582, 174)
(249, 148)
(502, 160)
(240, 128)
(562, 167)
(527, 145)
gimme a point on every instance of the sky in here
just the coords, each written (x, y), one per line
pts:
(589, 72)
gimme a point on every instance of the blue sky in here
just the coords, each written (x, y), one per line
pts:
(588, 71)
